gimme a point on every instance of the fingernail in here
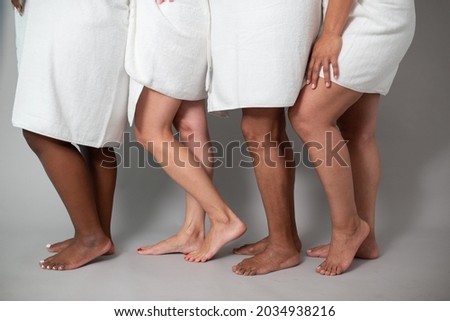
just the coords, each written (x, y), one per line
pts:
(139, 249)
(308, 82)
(328, 84)
(309, 251)
(48, 246)
(313, 86)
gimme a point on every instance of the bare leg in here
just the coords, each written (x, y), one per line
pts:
(358, 126)
(68, 172)
(314, 119)
(267, 141)
(190, 121)
(154, 117)
(102, 166)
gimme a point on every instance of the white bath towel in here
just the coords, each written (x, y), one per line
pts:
(72, 83)
(167, 48)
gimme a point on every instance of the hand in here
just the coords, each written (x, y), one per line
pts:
(17, 4)
(161, 1)
(325, 53)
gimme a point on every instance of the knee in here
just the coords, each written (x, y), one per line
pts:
(144, 138)
(258, 131)
(358, 135)
(154, 139)
(189, 129)
(304, 124)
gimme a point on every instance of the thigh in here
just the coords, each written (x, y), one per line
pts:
(155, 112)
(323, 105)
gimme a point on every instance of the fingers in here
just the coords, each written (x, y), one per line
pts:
(324, 58)
(313, 72)
(335, 66)
(326, 74)
(16, 4)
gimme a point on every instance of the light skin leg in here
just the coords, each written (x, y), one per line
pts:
(314, 117)
(264, 132)
(190, 122)
(153, 126)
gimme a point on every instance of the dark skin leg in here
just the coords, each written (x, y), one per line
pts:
(280, 249)
(71, 177)
(102, 166)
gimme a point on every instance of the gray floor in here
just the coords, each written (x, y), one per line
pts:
(413, 207)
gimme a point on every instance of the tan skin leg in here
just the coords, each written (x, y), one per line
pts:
(103, 170)
(155, 114)
(315, 114)
(275, 181)
(357, 125)
(190, 122)
(72, 179)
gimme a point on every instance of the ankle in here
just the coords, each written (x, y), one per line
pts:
(348, 227)
(192, 231)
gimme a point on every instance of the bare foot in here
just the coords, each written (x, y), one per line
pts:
(180, 243)
(219, 234)
(342, 250)
(368, 250)
(253, 248)
(260, 246)
(270, 260)
(77, 254)
(60, 246)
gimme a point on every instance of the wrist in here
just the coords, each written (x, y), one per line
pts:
(331, 33)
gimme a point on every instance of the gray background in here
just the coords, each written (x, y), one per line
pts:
(412, 214)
